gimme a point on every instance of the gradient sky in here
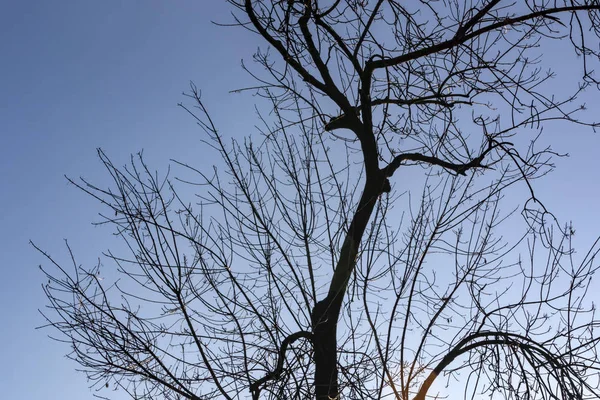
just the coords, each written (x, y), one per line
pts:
(77, 75)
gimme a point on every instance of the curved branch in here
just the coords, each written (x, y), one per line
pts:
(499, 338)
(255, 387)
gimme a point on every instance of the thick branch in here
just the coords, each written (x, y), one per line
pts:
(347, 121)
(431, 99)
(460, 169)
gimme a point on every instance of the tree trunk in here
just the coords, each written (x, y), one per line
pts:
(325, 351)
(326, 312)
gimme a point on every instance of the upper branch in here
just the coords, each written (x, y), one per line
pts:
(367, 27)
(327, 85)
(340, 42)
(462, 36)
(473, 21)
(292, 62)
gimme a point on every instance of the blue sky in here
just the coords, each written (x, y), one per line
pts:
(77, 75)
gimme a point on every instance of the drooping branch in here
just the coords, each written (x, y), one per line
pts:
(529, 347)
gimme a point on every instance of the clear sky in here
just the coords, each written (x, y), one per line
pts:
(77, 75)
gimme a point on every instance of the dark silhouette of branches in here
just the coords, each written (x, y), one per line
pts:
(317, 261)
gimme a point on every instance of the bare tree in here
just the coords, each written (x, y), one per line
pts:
(356, 247)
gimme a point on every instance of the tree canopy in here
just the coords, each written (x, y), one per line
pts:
(370, 239)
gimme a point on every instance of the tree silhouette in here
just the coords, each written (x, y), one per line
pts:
(356, 247)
